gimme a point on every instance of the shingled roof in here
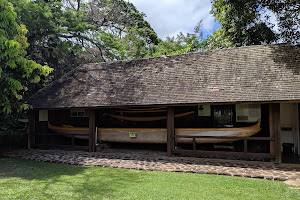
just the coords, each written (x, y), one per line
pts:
(255, 73)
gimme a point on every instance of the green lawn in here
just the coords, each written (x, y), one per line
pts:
(21, 179)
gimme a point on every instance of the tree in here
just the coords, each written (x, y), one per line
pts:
(66, 33)
(244, 22)
(288, 18)
(16, 71)
(120, 28)
(191, 42)
(52, 36)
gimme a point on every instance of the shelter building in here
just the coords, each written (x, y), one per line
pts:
(152, 100)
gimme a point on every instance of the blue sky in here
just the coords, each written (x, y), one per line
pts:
(169, 17)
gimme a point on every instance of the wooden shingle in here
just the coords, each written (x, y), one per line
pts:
(247, 74)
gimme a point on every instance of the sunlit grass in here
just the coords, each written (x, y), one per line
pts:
(21, 179)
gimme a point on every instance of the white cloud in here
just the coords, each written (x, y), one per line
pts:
(169, 17)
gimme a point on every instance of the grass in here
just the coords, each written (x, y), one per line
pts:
(22, 179)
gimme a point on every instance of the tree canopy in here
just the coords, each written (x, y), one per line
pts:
(244, 23)
(16, 71)
(179, 44)
(66, 33)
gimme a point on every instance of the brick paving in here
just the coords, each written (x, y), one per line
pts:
(158, 161)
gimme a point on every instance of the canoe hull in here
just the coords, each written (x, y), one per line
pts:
(154, 136)
(221, 133)
(159, 136)
(69, 131)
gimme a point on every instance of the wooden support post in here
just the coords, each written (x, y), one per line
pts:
(271, 128)
(170, 130)
(275, 129)
(245, 146)
(31, 128)
(72, 141)
(92, 129)
(194, 144)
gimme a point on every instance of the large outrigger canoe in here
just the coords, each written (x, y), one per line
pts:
(158, 135)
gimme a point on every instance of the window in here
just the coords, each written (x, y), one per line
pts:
(223, 115)
(79, 112)
(248, 112)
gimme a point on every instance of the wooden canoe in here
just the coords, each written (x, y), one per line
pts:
(68, 130)
(147, 119)
(222, 132)
(159, 135)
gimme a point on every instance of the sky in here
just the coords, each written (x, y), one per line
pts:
(169, 17)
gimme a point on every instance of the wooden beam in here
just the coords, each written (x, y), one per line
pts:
(180, 104)
(170, 130)
(274, 126)
(140, 111)
(92, 129)
(223, 153)
(226, 137)
(143, 109)
(75, 147)
(31, 128)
